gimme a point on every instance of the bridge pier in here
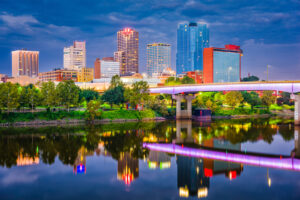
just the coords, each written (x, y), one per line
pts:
(184, 124)
(183, 114)
(297, 110)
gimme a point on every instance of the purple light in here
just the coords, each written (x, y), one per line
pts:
(283, 86)
(281, 163)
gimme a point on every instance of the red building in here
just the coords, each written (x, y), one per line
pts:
(196, 75)
(222, 64)
(97, 66)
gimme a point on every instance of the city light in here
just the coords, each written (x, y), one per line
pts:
(274, 162)
(202, 192)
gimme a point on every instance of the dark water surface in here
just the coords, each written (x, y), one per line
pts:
(117, 161)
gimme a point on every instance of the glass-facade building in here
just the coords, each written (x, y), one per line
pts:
(192, 38)
(222, 64)
(158, 58)
(75, 56)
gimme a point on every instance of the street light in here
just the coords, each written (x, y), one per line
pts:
(229, 69)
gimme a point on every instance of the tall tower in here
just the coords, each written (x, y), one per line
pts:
(75, 56)
(128, 51)
(192, 38)
(158, 58)
(25, 63)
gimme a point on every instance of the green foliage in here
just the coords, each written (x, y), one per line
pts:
(68, 94)
(93, 110)
(239, 111)
(88, 95)
(172, 81)
(251, 98)
(114, 95)
(49, 94)
(128, 114)
(138, 94)
(116, 82)
(250, 78)
(10, 96)
(158, 105)
(268, 98)
(187, 80)
(233, 98)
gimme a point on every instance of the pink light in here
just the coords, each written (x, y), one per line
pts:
(281, 86)
(281, 163)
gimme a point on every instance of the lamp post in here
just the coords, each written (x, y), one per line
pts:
(268, 66)
(229, 69)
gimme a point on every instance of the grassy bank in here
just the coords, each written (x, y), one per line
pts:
(240, 111)
(64, 115)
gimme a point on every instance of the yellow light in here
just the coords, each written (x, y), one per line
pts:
(165, 165)
(152, 165)
(202, 192)
(269, 182)
(183, 192)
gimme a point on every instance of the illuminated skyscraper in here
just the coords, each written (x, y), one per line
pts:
(192, 38)
(25, 63)
(128, 51)
(75, 56)
(158, 58)
(128, 168)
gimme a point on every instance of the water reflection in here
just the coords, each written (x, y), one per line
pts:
(202, 150)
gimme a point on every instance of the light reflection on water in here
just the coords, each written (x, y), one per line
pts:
(109, 161)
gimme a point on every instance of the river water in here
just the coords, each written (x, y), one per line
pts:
(223, 159)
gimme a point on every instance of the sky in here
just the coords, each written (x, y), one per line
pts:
(268, 31)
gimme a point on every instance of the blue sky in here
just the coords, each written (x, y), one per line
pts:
(268, 31)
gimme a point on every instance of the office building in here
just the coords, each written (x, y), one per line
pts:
(25, 63)
(128, 168)
(85, 74)
(192, 38)
(97, 66)
(222, 64)
(128, 51)
(58, 75)
(158, 58)
(75, 56)
(109, 68)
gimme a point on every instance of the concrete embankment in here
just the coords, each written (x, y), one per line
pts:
(43, 123)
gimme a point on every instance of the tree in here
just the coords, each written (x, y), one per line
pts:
(233, 98)
(34, 97)
(114, 96)
(267, 98)
(250, 78)
(157, 104)
(92, 110)
(138, 94)
(187, 80)
(251, 98)
(88, 95)
(9, 97)
(49, 94)
(68, 94)
(172, 81)
(116, 81)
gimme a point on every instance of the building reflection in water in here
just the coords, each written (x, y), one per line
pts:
(128, 168)
(79, 166)
(24, 159)
(159, 159)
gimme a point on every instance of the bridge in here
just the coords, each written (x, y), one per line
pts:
(287, 163)
(187, 92)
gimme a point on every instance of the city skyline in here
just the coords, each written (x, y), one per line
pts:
(267, 37)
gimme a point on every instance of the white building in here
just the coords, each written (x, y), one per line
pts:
(75, 56)
(25, 63)
(109, 69)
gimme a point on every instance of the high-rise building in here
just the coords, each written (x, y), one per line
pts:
(222, 64)
(75, 56)
(158, 58)
(128, 168)
(25, 63)
(128, 51)
(192, 38)
(109, 68)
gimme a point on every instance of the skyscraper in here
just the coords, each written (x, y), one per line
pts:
(158, 58)
(25, 63)
(192, 38)
(128, 51)
(75, 56)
